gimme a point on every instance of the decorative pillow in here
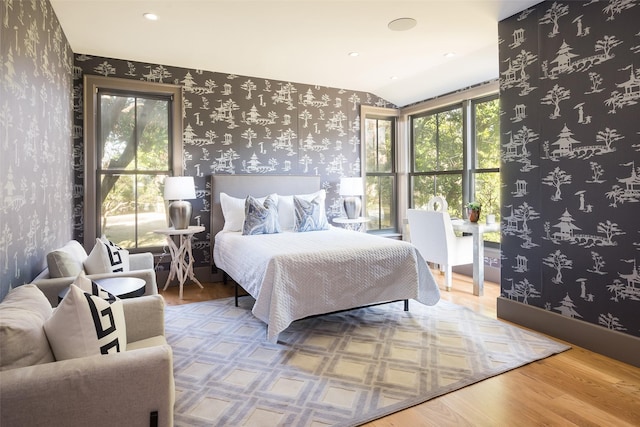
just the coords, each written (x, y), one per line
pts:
(87, 324)
(308, 214)
(233, 211)
(106, 257)
(260, 218)
(67, 260)
(23, 341)
(286, 210)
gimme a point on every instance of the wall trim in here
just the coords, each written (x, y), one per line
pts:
(614, 344)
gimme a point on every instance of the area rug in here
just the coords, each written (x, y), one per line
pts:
(341, 369)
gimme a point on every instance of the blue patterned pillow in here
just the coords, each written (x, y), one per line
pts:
(260, 218)
(309, 215)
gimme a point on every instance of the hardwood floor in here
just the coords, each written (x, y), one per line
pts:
(574, 388)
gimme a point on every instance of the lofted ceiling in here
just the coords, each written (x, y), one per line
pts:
(303, 41)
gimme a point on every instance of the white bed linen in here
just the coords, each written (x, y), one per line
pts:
(295, 275)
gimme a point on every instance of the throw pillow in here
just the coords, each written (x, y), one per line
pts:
(260, 218)
(106, 257)
(87, 324)
(308, 215)
(286, 210)
(23, 341)
(233, 211)
(67, 260)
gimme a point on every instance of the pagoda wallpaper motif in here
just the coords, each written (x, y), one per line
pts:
(570, 87)
(243, 125)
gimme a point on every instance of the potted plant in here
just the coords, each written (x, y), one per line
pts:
(474, 211)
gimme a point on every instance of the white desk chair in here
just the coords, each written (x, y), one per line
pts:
(432, 233)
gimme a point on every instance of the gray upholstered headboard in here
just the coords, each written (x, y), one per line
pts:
(254, 185)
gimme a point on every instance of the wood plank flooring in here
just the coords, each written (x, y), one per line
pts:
(574, 388)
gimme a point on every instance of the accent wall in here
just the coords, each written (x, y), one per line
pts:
(245, 125)
(570, 86)
(36, 166)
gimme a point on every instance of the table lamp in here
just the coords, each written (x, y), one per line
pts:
(177, 189)
(351, 190)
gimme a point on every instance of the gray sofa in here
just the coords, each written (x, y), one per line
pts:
(130, 388)
(68, 263)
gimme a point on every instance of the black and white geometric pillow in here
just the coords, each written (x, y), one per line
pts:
(87, 323)
(106, 257)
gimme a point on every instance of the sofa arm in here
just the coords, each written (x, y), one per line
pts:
(144, 317)
(104, 390)
(141, 261)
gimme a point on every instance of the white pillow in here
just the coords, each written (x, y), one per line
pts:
(106, 257)
(233, 210)
(286, 210)
(86, 324)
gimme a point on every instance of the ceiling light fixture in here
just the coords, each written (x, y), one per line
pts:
(449, 54)
(150, 16)
(402, 24)
(354, 54)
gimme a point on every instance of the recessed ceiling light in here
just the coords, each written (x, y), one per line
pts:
(150, 16)
(402, 24)
(394, 77)
(449, 54)
(354, 54)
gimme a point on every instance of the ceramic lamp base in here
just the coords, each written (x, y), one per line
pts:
(352, 207)
(180, 214)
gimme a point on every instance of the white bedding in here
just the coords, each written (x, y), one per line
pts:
(295, 275)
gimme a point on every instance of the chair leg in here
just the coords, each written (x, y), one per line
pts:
(447, 277)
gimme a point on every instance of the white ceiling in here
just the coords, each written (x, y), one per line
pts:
(303, 41)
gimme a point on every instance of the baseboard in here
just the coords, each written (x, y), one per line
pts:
(614, 344)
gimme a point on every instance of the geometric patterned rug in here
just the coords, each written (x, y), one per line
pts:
(341, 369)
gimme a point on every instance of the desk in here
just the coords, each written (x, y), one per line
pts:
(355, 224)
(477, 229)
(181, 256)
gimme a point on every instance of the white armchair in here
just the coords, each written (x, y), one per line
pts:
(432, 233)
(68, 262)
(131, 388)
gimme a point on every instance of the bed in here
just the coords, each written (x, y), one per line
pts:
(293, 275)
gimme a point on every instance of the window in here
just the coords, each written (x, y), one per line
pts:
(132, 142)
(380, 172)
(438, 164)
(456, 154)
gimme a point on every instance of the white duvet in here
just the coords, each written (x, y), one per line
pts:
(295, 275)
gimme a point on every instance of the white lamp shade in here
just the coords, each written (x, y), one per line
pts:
(351, 186)
(179, 188)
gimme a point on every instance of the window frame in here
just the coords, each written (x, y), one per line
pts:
(467, 99)
(380, 113)
(92, 86)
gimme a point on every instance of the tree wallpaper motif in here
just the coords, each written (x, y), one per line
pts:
(35, 122)
(570, 87)
(245, 125)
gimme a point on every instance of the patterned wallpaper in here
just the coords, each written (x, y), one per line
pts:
(570, 86)
(35, 140)
(245, 125)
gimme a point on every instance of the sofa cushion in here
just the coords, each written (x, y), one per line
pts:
(106, 257)
(23, 341)
(86, 323)
(67, 260)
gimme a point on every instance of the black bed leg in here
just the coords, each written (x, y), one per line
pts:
(236, 294)
(224, 278)
(406, 305)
